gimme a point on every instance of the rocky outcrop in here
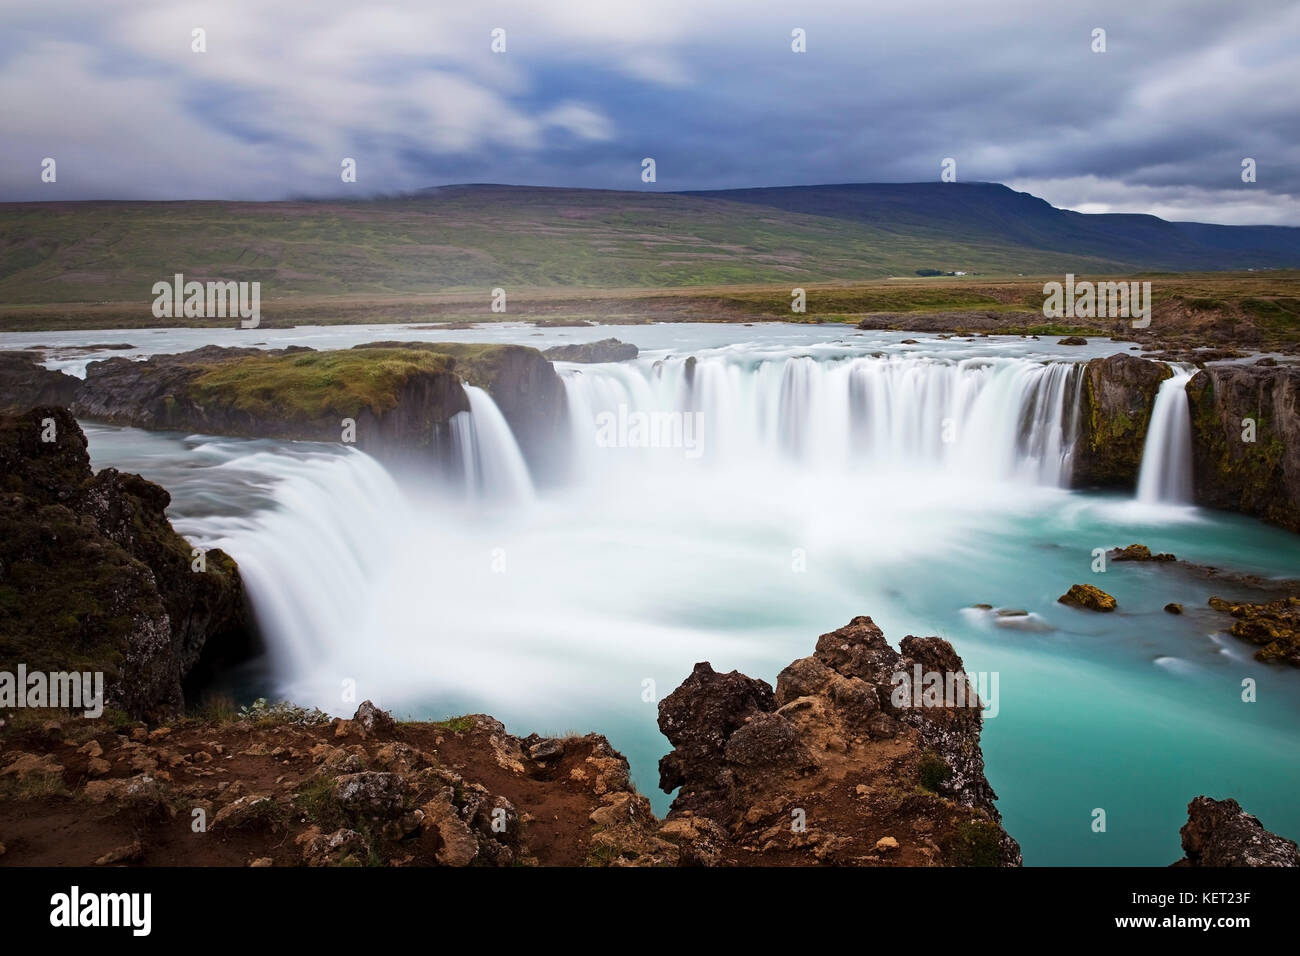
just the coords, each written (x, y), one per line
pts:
(396, 398)
(606, 350)
(1118, 396)
(1219, 833)
(856, 757)
(1138, 552)
(93, 578)
(25, 384)
(1246, 440)
(524, 386)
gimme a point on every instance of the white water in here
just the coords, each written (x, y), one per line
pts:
(492, 464)
(973, 419)
(357, 577)
(1166, 473)
(824, 489)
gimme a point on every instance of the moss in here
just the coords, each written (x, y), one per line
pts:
(311, 386)
(976, 843)
(315, 798)
(457, 725)
(933, 771)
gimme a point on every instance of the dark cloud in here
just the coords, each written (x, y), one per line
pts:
(1158, 123)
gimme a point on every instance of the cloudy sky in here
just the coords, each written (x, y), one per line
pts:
(114, 92)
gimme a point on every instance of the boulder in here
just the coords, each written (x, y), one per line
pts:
(1088, 597)
(606, 350)
(1219, 833)
(373, 722)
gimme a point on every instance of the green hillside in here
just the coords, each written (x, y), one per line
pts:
(472, 238)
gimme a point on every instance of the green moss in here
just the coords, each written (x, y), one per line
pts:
(976, 843)
(457, 725)
(315, 798)
(933, 771)
(311, 386)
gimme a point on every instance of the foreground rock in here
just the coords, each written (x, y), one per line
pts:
(1246, 440)
(849, 760)
(94, 578)
(606, 350)
(830, 768)
(1118, 395)
(1219, 833)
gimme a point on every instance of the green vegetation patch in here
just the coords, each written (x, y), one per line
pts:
(315, 385)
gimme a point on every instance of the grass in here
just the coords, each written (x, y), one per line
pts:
(976, 843)
(314, 386)
(34, 786)
(457, 725)
(467, 240)
(315, 798)
(933, 771)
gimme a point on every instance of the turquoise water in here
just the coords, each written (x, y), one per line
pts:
(636, 576)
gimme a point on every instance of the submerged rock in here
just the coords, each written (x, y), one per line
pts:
(1088, 597)
(1138, 552)
(1220, 833)
(1274, 625)
(1072, 340)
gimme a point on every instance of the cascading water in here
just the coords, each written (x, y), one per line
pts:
(1166, 473)
(487, 452)
(985, 418)
(828, 484)
(360, 575)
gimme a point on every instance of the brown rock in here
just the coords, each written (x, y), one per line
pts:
(1219, 833)
(1088, 597)
(129, 853)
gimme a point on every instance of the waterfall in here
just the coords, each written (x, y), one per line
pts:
(394, 585)
(483, 445)
(1166, 473)
(980, 418)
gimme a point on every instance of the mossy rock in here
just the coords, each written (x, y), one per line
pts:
(1088, 597)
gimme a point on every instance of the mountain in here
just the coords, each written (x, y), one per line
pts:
(983, 212)
(470, 238)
